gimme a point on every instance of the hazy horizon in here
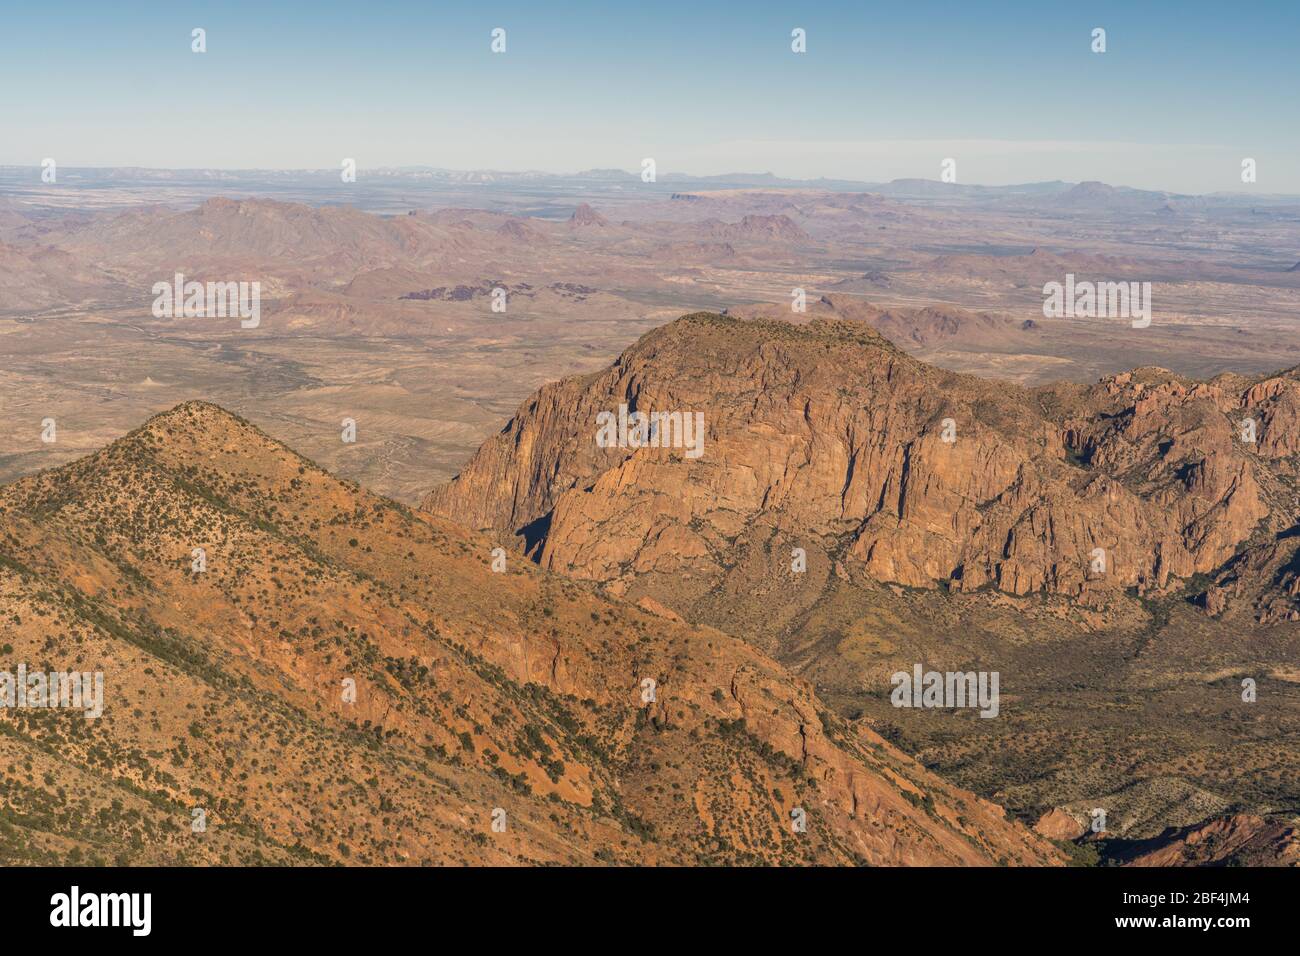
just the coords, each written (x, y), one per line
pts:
(733, 176)
(1180, 97)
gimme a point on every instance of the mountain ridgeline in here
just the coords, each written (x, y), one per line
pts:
(1125, 555)
(319, 675)
(830, 438)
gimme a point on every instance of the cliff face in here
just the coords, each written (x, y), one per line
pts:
(829, 435)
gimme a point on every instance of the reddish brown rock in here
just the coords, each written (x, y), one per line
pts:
(1056, 824)
(474, 689)
(924, 476)
(1239, 840)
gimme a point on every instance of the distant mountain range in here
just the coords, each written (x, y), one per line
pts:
(912, 188)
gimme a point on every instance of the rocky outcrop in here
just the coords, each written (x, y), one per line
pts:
(584, 216)
(927, 478)
(1237, 840)
(1058, 824)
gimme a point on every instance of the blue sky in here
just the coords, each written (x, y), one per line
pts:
(1010, 90)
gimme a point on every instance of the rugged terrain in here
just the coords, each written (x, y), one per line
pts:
(1123, 553)
(828, 432)
(1099, 533)
(477, 692)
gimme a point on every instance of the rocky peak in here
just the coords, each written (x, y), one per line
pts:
(584, 215)
(922, 477)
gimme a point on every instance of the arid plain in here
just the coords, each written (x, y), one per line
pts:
(377, 304)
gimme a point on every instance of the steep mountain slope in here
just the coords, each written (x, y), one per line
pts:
(828, 433)
(1117, 552)
(343, 681)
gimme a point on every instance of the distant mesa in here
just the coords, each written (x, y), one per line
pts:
(921, 188)
(913, 328)
(1098, 196)
(752, 228)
